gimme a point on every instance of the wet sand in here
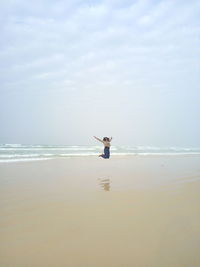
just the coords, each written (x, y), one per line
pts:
(138, 211)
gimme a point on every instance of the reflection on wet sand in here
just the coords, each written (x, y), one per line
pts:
(105, 184)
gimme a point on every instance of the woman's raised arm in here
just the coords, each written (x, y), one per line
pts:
(98, 139)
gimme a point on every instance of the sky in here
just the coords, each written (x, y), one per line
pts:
(73, 69)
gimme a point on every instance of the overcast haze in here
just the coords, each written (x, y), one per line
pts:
(74, 69)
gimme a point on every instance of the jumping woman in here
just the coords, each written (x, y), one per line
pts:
(106, 141)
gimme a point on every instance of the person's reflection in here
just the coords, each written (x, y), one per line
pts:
(105, 184)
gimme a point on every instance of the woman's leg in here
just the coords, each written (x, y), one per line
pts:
(104, 156)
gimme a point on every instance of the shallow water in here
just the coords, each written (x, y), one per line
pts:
(20, 152)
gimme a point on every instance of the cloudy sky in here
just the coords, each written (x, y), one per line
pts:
(73, 69)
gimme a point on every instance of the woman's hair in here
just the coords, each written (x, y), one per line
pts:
(106, 139)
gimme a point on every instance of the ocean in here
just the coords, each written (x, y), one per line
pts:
(22, 152)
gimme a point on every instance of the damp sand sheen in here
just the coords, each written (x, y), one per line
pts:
(138, 211)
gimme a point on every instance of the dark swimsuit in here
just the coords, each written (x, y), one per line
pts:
(106, 154)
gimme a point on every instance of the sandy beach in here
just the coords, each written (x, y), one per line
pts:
(127, 211)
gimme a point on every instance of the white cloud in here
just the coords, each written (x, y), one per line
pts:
(85, 50)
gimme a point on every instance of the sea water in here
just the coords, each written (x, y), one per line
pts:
(22, 152)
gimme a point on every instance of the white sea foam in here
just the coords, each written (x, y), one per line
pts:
(77, 154)
(19, 160)
(24, 155)
(46, 148)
